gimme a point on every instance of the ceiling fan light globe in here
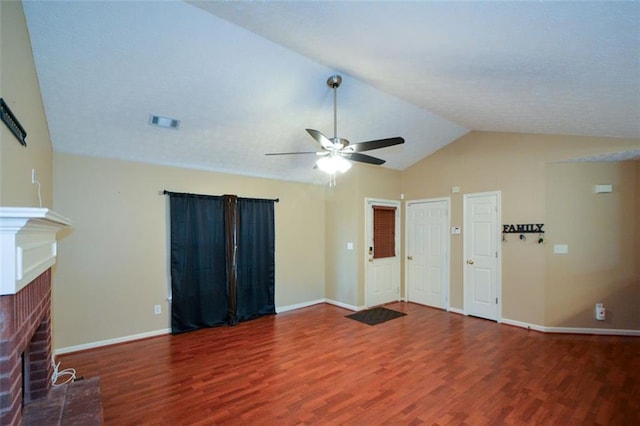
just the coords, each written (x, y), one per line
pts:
(327, 165)
(333, 164)
(342, 164)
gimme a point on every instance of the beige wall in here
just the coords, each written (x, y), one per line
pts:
(342, 225)
(601, 231)
(20, 90)
(514, 164)
(637, 233)
(112, 265)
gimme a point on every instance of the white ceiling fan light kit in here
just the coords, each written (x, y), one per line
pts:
(336, 152)
(333, 163)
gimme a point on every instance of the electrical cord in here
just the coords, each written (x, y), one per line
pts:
(39, 194)
(37, 182)
(68, 373)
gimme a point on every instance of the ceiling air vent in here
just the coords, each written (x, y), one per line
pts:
(166, 122)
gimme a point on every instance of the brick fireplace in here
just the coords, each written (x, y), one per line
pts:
(27, 252)
(25, 357)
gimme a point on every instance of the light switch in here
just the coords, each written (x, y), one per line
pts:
(561, 249)
(349, 246)
(455, 230)
(600, 189)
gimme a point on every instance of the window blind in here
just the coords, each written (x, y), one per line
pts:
(384, 231)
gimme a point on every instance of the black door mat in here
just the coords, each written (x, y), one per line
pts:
(375, 315)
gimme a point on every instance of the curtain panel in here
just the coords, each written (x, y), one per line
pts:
(222, 260)
(256, 267)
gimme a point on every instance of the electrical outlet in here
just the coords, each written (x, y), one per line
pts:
(157, 309)
(34, 178)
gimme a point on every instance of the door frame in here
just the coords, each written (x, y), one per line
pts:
(498, 240)
(447, 242)
(368, 237)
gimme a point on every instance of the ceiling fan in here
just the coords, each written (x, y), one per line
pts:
(337, 151)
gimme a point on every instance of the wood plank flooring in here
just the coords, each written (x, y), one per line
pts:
(314, 366)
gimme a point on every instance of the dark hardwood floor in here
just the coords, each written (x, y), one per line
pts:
(314, 366)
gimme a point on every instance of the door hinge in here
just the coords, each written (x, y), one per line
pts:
(496, 300)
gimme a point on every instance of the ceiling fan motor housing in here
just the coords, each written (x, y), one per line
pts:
(334, 81)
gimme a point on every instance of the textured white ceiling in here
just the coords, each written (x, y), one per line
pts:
(246, 78)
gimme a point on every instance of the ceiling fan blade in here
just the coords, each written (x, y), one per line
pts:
(376, 144)
(322, 139)
(292, 153)
(363, 158)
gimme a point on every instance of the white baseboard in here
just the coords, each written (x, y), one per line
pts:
(342, 305)
(107, 342)
(523, 325)
(280, 309)
(572, 330)
(133, 337)
(528, 326)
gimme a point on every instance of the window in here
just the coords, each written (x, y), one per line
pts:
(384, 231)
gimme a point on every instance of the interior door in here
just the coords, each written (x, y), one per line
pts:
(382, 275)
(482, 255)
(427, 262)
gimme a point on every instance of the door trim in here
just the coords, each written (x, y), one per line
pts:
(368, 237)
(447, 277)
(498, 240)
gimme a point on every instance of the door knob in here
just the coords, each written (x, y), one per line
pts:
(470, 261)
(410, 257)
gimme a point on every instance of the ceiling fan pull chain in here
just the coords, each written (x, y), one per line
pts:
(332, 180)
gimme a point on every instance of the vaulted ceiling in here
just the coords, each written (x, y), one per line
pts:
(247, 78)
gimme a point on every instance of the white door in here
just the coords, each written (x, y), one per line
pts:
(427, 262)
(382, 275)
(482, 255)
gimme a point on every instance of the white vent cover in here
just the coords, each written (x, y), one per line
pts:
(166, 122)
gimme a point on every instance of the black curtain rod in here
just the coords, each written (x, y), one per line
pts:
(165, 192)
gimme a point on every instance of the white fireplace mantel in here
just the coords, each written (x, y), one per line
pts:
(28, 245)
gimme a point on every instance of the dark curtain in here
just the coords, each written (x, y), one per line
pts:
(198, 262)
(222, 260)
(256, 259)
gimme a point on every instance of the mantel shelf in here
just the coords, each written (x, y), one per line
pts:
(28, 245)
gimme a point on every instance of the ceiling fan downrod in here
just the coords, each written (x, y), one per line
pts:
(334, 82)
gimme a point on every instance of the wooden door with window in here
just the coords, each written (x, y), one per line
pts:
(382, 278)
